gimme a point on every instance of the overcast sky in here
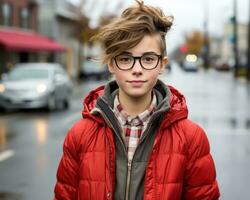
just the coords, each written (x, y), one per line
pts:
(188, 14)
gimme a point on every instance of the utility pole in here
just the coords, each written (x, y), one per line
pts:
(235, 47)
(248, 52)
(206, 37)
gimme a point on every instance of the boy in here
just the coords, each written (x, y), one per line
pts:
(135, 141)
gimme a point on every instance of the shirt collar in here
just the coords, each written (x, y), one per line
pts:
(140, 119)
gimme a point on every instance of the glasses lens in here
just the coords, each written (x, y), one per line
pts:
(149, 61)
(124, 61)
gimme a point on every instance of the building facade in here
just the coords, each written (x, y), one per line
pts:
(19, 39)
(20, 14)
(57, 21)
(227, 53)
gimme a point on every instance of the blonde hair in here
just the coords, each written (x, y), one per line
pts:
(126, 31)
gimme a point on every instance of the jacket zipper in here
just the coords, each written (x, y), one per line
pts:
(130, 162)
(129, 170)
(128, 179)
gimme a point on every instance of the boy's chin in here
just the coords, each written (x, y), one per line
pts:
(137, 93)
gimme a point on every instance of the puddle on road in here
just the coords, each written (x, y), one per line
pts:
(10, 196)
(5, 135)
(3, 138)
(41, 131)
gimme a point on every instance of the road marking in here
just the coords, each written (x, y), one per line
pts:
(6, 154)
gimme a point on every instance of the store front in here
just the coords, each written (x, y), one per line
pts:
(25, 46)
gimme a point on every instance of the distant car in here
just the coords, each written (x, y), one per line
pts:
(191, 63)
(224, 65)
(93, 70)
(35, 85)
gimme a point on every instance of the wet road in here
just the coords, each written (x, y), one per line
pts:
(31, 141)
(221, 105)
(31, 146)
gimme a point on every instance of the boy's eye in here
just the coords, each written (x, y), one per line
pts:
(149, 58)
(124, 59)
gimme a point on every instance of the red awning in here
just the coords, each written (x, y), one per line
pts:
(16, 40)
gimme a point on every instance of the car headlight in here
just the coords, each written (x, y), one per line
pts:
(2, 88)
(41, 88)
(191, 58)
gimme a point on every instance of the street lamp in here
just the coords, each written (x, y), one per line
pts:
(248, 52)
(235, 47)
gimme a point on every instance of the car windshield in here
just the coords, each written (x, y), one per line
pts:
(25, 73)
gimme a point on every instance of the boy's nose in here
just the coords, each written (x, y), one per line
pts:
(137, 66)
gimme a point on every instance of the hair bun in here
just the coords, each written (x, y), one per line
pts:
(164, 24)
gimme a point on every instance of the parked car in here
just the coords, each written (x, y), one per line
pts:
(224, 65)
(191, 63)
(35, 85)
(92, 69)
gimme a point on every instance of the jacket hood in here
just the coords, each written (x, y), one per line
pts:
(172, 97)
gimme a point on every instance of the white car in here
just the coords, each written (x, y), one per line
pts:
(35, 85)
(191, 63)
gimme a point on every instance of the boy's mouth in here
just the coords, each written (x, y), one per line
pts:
(136, 83)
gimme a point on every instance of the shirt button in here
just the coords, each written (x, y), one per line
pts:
(109, 195)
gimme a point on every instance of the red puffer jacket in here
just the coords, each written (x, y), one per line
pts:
(179, 167)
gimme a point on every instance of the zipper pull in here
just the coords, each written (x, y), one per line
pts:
(129, 165)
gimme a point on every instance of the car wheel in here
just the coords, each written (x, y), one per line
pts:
(52, 103)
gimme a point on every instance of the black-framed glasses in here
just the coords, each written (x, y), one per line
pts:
(127, 62)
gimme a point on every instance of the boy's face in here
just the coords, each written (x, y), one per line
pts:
(138, 82)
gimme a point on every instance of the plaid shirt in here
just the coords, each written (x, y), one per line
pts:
(133, 128)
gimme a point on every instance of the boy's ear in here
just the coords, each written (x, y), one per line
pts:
(164, 62)
(111, 67)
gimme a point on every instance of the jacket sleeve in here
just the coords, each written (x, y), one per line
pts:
(200, 175)
(66, 187)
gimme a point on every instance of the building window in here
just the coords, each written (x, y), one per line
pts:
(6, 14)
(24, 17)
